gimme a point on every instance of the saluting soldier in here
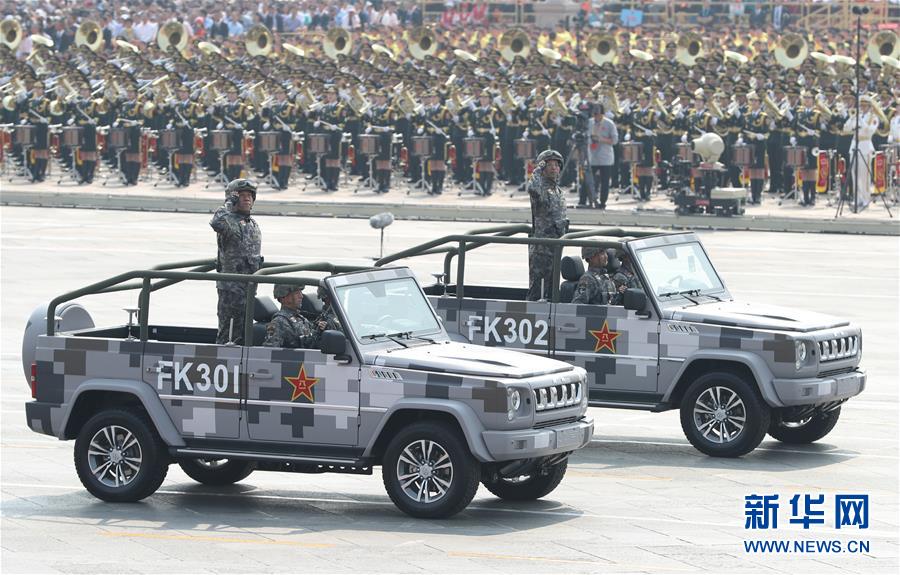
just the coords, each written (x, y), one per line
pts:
(548, 220)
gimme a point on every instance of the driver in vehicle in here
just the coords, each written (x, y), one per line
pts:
(595, 286)
(328, 315)
(288, 327)
(624, 277)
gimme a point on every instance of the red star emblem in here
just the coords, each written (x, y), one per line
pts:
(302, 384)
(605, 338)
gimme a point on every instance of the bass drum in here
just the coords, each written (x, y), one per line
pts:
(72, 317)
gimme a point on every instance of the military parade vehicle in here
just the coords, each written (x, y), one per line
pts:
(735, 370)
(390, 389)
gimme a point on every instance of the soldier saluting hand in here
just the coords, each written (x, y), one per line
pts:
(548, 220)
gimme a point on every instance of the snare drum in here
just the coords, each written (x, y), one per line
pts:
(632, 152)
(71, 136)
(168, 139)
(421, 146)
(684, 152)
(220, 140)
(473, 147)
(267, 141)
(25, 135)
(318, 143)
(368, 144)
(524, 149)
(742, 155)
(118, 138)
(795, 156)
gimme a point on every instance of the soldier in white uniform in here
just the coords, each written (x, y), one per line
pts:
(861, 151)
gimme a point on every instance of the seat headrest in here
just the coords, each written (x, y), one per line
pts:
(571, 268)
(613, 263)
(263, 309)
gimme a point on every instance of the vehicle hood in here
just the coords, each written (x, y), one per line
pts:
(756, 316)
(473, 360)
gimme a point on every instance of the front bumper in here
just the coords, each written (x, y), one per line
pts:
(816, 390)
(532, 443)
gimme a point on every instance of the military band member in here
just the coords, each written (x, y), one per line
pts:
(279, 116)
(131, 117)
(862, 149)
(644, 125)
(382, 120)
(436, 121)
(181, 116)
(234, 116)
(516, 123)
(540, 120)
(84, 113)
(37, 113)
(756, 131)
(330, 120)
(809, 124)
(548, 220)
(485, 121)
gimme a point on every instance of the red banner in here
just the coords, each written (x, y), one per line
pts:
(880, 171)
(822, 172)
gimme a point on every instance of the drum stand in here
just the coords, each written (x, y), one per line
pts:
(421, 183)
(170, 172)
(118, 168)
(22, 171)
(474, 185)
(73, 173)
(369, 182)
(524, 184)
(270, 177)
(221, 177)
(630, 189)
(792, 194)
(317, 180)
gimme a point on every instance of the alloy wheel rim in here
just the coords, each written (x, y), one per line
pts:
(424, 471)
(720, 414)
(114, 456)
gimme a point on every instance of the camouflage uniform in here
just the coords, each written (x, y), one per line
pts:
(239, 242)
(290, 329)
(548, 213)
(624, 277)
(330, 318)
(594, 287)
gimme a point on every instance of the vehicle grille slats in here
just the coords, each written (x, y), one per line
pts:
(838, 348)
(557, 396)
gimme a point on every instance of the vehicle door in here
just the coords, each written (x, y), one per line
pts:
(301, 396)
(618, 349)
(520, 325)
(198, 384)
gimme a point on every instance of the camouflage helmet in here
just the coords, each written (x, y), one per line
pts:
(240, 185)
(587, 252)
(283, 290)
(549, 155)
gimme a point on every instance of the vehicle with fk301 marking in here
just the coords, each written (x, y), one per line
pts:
(390, 389)
(735, 370)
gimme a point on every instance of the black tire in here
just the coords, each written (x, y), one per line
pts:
(527, 487)
(98, 448)
(459, 481)
(216, 471)
(812, 430)
(723, 438)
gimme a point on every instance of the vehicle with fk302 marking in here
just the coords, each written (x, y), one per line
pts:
(735, 370)
(391, 389)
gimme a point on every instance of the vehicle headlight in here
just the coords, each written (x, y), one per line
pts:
(800, 354)
(513, 403)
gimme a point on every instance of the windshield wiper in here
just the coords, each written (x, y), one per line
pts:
(684, 294)
(390, 336)
(715, 297)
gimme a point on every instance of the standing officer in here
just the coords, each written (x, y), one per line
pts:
(288, 327)
(548, 220)
(239, 242)
(594, 285)
(809, 125)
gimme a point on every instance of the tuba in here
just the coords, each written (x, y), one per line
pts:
(337, 42)
(791, 50)
(688, 48)
(11, 33)
(601, 48)
(89, 34)
(515, 43)
(422, 43)
(884, 43)
(172, 35)
(258, 41)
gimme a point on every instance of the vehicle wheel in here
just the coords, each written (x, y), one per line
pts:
(527, 487)
(217, 471)
(807, 430)
(723, 415)
(428, 471)
(120, 457)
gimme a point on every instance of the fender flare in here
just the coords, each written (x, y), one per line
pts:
(757, 366)
(471, 426)
(147, 396)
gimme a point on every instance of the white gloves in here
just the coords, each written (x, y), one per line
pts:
(70, 122)
(421, 130)
(316, 124)
(509, 117)
(713, 120)
(369, 129)
(628, 136)
(684, 138)
(558, 121)
(470, 133)
(648, 132)
(525, 135)
(739, 141)
(169, 126)
(545, 132)
(456, 118)
(793, 141)
(219, 126)
(810, 132)
(266, 126)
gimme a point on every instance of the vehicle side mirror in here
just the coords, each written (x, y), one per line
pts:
(333, 342)
(636, 300)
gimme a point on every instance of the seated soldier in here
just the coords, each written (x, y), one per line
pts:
(288, 328)
(594, 287)
(327, 316)
(624, 278)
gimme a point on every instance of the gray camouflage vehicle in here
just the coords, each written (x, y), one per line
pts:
(735, 370)
(438, 416)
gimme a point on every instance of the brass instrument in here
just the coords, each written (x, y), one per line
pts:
(515, 43)
(126, 46)
(879, 111)
(406, 103)
(555, 103)
(508, 103)
(641, 55)
(209, 48)
(172, 35)
(884, 43)
(688, 48)
(380, 49)
(791, 51)
(259, 41)
(422, 43)
(601, 48)
(358, 102)
(89, 34)
(463, 55)
(770, 105)
(9, 102)
(41, 40)
(11, 34)
(732, 56)
(337, 42)
(295, 50)
(550, 55)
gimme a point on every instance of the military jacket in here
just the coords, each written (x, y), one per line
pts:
(595, 287)
(548, 206)
(239, 245)
(290, 329)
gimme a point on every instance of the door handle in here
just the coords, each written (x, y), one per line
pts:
(567, 328)
(261, 374)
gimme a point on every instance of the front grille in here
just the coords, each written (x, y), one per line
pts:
(839, 371)
(838, 348)
(551, 423)
(557, 396)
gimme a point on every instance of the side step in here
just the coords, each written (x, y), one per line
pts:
(282, 462)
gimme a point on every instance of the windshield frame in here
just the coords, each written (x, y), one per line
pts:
(677, 299)
(366, 340)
